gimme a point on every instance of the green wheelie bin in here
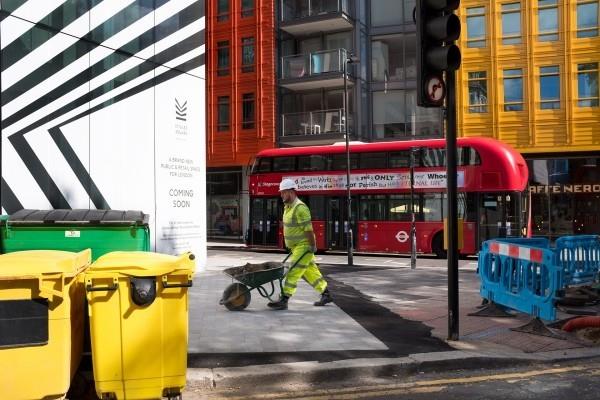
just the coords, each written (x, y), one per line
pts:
(102, 231)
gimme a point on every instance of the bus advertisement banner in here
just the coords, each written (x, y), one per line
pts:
(374, 181)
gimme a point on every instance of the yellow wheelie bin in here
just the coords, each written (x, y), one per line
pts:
(138, 312)
(41, 322)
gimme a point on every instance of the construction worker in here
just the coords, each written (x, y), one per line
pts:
(300, 239)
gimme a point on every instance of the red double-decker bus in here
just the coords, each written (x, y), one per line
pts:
(492, 179)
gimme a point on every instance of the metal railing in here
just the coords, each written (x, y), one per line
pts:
(315, 122)
(311, 64)
(293, 10)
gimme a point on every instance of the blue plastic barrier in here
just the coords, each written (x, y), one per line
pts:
(579, 257)
(527, 274)
(520, 276)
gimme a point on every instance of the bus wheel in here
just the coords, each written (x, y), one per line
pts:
(437, 246)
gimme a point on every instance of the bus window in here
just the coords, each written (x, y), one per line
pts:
(262, 165)
(468, 156)
(432, 207)
(400, 207)
(313, 162)
(284, 164)
(433, 157)
(338, 161)
(373, 160)
(372, 208)
(400, 159)
(461, 206)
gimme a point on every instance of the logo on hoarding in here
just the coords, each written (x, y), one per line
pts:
(180, 110)
(402, 236)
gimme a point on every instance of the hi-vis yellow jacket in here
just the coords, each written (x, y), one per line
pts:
(296, 221)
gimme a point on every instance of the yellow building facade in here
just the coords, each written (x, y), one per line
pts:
(571, 123)
(529, 77)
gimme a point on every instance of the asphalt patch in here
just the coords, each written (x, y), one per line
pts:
(401, 336)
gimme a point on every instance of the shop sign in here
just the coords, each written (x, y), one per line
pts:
(566, 188)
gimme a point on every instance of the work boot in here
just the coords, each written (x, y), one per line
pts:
(281, 304)
(325, 298)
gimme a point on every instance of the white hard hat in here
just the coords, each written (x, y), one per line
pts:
(287, 184)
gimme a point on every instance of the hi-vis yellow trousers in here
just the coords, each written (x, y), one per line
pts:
(306, 269)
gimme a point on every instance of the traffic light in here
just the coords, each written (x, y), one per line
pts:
(437, 29)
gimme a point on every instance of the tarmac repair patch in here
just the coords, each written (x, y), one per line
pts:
(401, 336)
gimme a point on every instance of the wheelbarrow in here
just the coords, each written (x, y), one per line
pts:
(237, 296)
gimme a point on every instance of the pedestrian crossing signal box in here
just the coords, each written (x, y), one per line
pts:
(460, 233)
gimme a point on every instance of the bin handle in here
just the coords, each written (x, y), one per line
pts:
(166, 284)
(108, 288)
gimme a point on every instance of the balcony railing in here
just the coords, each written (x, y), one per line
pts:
(294, 10)
(315, 123)
(312, 64)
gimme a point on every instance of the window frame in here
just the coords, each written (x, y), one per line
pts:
(472, 42)
(223, 46)
(505, 78)
(246, 12)
(222, 14)
(581, 32)
(248, 42)
(553, 101)
(223, 126)
(511, 39)
(248, 100)
(593, 100)
(477, 108)
(549, 36)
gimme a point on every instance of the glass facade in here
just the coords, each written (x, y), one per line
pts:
(565, 196)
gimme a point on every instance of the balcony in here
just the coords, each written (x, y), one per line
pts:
(306, 17)
(321, 69)
(314, 127)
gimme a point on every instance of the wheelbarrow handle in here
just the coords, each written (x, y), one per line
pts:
(296, 262)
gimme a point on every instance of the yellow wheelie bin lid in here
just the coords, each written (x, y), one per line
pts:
(138, 308)
(41, 317)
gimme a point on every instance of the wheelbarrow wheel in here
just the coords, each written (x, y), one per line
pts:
(236, 297)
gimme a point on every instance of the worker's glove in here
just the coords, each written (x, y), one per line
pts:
(313, 249)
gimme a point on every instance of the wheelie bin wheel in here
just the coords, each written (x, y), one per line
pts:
(236, 297)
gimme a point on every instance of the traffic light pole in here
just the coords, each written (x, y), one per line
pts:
(452, 206)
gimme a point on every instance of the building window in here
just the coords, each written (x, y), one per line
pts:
(222, 10)
(476, 27)
(549, 87)
(248, 54)
(548, 20)
(387, 58)
(587, 85)
(223, 113)
(223, 58)
(478, 98)
(386, 12)
(248, 111)
(396, 115)
(587, 18)
(513, 90)
(511, 23)
(247, 8)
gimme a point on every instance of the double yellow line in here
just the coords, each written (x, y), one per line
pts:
(425, 386)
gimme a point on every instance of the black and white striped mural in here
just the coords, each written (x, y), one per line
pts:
(103, 106)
